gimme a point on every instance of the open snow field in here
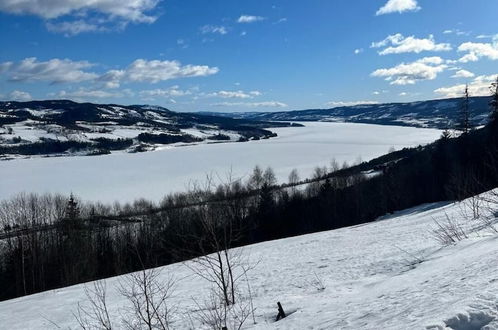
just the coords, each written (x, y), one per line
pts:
(390, 274)
(124, 177)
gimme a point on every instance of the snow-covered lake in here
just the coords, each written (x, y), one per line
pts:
(124, 177)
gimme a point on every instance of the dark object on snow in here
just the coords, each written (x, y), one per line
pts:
(281, 313)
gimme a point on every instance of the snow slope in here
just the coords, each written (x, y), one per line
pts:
(390, 274)
(124, 177)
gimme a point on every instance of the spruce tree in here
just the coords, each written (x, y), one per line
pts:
(463, 124)
(72, 210)
(494, 101)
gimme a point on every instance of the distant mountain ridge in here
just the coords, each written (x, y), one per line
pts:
(67, 127)
(432, 114)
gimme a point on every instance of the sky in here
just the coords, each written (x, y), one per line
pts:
(258, 55)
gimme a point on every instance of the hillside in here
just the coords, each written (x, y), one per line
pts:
(389, 274)
(432, 114)
(66, 127)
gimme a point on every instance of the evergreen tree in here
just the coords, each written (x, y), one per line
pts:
(72, 209)
(463, 124)
(494, 101)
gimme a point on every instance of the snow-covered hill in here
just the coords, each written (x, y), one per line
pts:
(390, 274)
(66, 127)
(432, 113)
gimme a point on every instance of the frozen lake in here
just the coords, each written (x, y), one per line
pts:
(124, 177)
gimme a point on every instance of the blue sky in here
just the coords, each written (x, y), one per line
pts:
(256, 55)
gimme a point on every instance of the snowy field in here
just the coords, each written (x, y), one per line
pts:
(390, 274)
(124, 177)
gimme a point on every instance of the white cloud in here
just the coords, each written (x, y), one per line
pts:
(129, 10)
(54, 71)
(182, 43)
(399, 44)
(480, 86)
(337, 104)
(250, 19)
(486, 36)
(234, 94)
(213, 29)
(476, 51)
(85, 94)
(155, 71)
(282, 20)
(358, 51)
(72, 17)
(410, 73)
(463, 74)
(173, 91)
(266, 104)
(380, 92)
(403, 94)
(73, 28)
(19, 96)
(67, 71)
(457, 32)
(398, 6)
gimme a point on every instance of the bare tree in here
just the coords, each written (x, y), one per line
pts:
(293, 180)
(269, 177)
(148, 297)
(96, 315)
(256, 179)
(215, 314)
(218, 263)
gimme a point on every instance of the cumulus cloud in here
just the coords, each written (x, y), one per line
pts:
(117, 11)
(478, 87)
(213, 29)
(398, 44)
(53, 71)
(155, 71)
(358, 51)
(131, 10)
(57, 71)
(398, 6)
(337, 104)
(250, 19)
(265, 104)
(426, 68)
(463, 74)
(475, 51)
(20, 96)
